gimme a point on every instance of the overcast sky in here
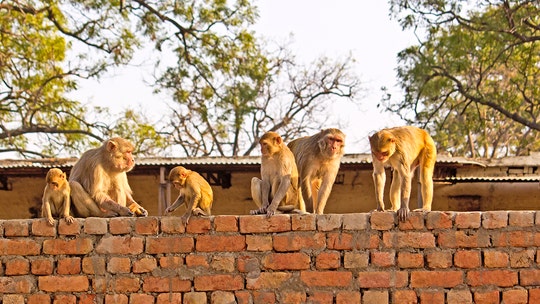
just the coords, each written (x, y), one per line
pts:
(319, 27)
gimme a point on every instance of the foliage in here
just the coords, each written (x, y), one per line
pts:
(474, 80)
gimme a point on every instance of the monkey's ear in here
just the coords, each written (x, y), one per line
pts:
(278, 140)
(111, 145)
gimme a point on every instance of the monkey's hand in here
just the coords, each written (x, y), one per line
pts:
(138, 210)
(69, 219)
(185, 218)
(262, 210)
(51, 221)
(403, 213)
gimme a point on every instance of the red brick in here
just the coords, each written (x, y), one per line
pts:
(218, 282)
(166, 284)
(174, 298)
(328, 260)
(328, 222)
(69, 229)
(38, 299)
(223, 263)
(496, 259)
(269, 280)
(18, 284)
(95, 225)
(19, 247)
(501, 278)
(259, 242)
(73, 246)
(521, 218)
(17, 266)
(263, 224)
(263, 297)
(196, 260)
(171, 262)
(42, 266)
(468, 220)
(120, 245)
(326, 278)
(247, 264)
(534, 295)
(414, 222)
(194, 298)
(467, 259)
(286, 261)
(243, 297)
(290, 296)
(220, 243)
(146, 264)
(439, 259)
(522, 259)
(16, 228)
(63, 283)
(199, 225)
(137, 298)
(355, 260)
(116, 299)
(321, 297)
(409, 239)
(382, 279)
(486, 297)
(383, 258)
(69, 266)
(383, 220)
(147, 225)
(432, 297)
(94, 265)
(355, 221)
(119, 265)
(353, 240)
(439, 220)
(299, 241)
(121, 225)
(464, 239)
(514, 296)
(513, 239)
(404, 297)
(226, 223)
(222, 297)
(410, 260)
(529, 277)
(303, 222)
(173, 244)
(494, 219)
(122, 284)
(376, 296)
(426, 279)
(458, 296)
(64, 299)
(172, 225)
(41, 227)
(88, 299)
(347, 297)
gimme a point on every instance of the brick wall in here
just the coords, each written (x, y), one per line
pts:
(437, 257)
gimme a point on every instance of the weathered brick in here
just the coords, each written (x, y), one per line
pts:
(347, 297)
(446, 279)
(410, 260)
(534, 295)
(522, 259)
(88, 299)
(414, 222)
(321, 297)
(146, 264)
(292, 296)
(226, 223)
(171, 262)
(383, 258)
(95, 225)
(41, 227)
(73, 246)
(264, 297)
(410, 239)
(263, 224)
(326, 278)
(353, 240)
(355, 221)
(175, 297)
(515, 296)
(119, 265)
(299, 241)
(123, 284)
(328, 260)
(173, 244)
(17, 284)
(439, 220)
(199, 225)
(382, 279)
(328, 222)
(496, 259)
(70, 229)
(494, 219)
(14, 228)
(38, 299)
(521, 218)
(303, 222)
(19, 247)
(116, 299)
(137, 298)
(375, 296)
(463, 239)
(529, 277)
(383, 220)
(286, 261)
(42, 266)
(501, 278)
(268, 280)
(468, 220)
(458, 296)
(486, 297)
(431, 296)
(64, 299)
(355, 260)
(17, 266)
(147, 225)
(121, 225)
(222, 263)
(247, 264)
(222, 297)
(404, 296)
(166, 284)
(172, 225)
(94, 265)
(197, 260)
(218, 282)
(439, 259)
(68, 266)
(74, 283)
(467, 259)
(12, 299)
(243, 297)
(259, 242)
(221, 243)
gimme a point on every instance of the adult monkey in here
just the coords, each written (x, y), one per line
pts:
(278, 187)
(318, 158)
(404, 149)
(99, 184)
(56, 200)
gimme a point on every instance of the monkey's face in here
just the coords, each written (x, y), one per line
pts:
(332, 145)
(383, 146)
(55, 178)
(178, 176)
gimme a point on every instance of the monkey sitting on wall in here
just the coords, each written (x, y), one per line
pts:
(99, 184)
(404, 149)
(318, 158)
(56, 197)
(278, 187)
(195, 192)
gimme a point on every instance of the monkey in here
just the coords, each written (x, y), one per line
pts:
(99, 184)
(278, 187)
(56, 197)
(195, 192)
(404, 149)
(318, 158)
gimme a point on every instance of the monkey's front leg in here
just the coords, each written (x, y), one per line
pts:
(403, 211)
(179, 201)
(379, 179)
(262, 190)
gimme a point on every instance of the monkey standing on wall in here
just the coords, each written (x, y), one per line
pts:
(56, 200)
(278, 187)
(318, 158)
(99, 184)
(404, 149)
(195, 192)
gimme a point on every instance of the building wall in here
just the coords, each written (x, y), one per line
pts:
(437, 257)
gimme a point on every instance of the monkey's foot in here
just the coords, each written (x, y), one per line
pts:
(262, 210)
(50, 221)
(403, 214)
(421, 210)
(70, 219)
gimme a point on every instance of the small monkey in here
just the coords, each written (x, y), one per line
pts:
(195, 192)
(404, 149)
(56, 197)
(318, 158)
(278, 187)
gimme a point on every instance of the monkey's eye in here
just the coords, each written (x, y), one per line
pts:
(385, 153)
(55, 184)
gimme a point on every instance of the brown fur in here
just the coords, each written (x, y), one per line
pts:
(99, 184)
(56, 197)
(278, 187)
(404, 149)
(195, 192)
(318, 158)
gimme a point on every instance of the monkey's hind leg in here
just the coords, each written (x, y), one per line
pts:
(83, 204)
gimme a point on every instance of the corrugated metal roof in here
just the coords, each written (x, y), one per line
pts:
(486, 179)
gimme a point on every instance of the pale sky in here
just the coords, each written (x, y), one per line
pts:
(318, 28)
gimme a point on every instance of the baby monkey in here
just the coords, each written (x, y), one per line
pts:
(195, 191)
(56, 200)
